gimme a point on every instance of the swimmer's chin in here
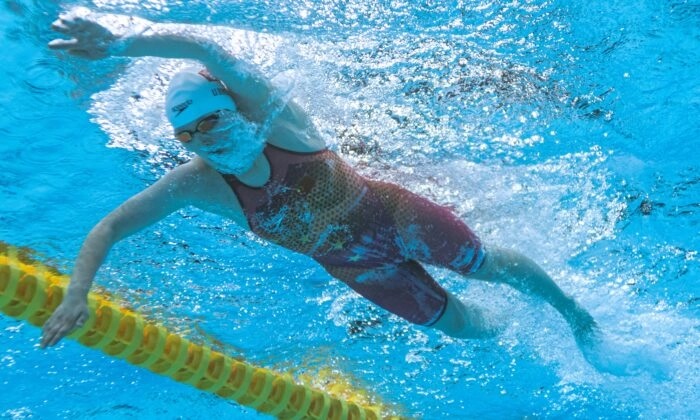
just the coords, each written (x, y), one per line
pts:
(228, 169)
(215, 152)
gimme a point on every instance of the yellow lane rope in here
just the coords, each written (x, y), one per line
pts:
(31, 291)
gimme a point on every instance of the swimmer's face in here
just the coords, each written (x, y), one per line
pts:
(225, 139)
(203, 126)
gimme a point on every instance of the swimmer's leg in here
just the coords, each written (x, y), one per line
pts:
(601, 350)
(523, 274)
(464, 320)
(409, 291)
(434, 235)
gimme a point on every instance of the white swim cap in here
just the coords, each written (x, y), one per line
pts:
(193, 94)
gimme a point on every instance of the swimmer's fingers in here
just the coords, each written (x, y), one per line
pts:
(76, 48)
(79, 28)
(54, 329)
(59, 25)
(78, 16)
(66, 27)
(79, 48)
(67, 317)
(88, 37)
(63, 44)
(53, 333)
(67, 24)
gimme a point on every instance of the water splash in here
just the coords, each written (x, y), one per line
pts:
(503, 112)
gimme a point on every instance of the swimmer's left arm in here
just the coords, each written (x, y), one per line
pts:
(96, 35)
(253, 92)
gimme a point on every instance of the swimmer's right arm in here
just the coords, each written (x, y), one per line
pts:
(149, 206)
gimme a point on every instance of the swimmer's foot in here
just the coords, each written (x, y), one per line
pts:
(613, 356)
(582, 324)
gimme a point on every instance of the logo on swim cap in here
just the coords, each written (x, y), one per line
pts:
(192, 95)
(180, 108)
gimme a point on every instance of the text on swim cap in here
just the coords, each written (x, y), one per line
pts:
(179, 108)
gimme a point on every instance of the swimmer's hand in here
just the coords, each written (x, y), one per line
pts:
(95, 35)
(70, 314)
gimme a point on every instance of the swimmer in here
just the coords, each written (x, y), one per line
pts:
(275, 177)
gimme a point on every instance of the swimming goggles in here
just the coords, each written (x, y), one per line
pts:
(205, 125)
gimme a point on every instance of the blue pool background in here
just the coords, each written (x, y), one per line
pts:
(568, 130)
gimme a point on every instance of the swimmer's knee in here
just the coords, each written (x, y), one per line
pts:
(460, 320)
(490, 264)
(498, 262)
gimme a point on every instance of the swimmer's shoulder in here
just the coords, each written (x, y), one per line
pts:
(195, 179)
(293, 130)
(203, 187)
(294, 139)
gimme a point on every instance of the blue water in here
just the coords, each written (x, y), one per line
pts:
(568, 130)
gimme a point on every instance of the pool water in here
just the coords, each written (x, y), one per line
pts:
(567, 130)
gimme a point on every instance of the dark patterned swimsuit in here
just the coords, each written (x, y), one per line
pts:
(368, 234)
